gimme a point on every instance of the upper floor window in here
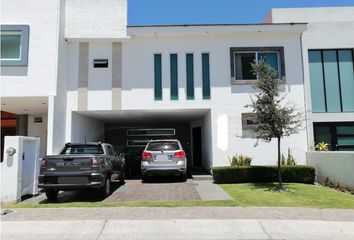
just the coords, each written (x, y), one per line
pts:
(243, 57)
(14, 45)
(332, 80)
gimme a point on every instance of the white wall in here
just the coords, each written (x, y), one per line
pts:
(95, 18)
(57, 103)
(99, 90)
(320, 14)
(86, 129)
(207, 142)
(227, 101)
(99, 96)
(39, 77)
(336, 166)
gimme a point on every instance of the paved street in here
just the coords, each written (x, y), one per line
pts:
(178, 223)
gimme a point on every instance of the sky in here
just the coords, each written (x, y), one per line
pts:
(164, 12)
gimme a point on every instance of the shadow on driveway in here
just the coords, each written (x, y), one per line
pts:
(88, 195)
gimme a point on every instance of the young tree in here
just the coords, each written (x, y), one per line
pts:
(274, 119)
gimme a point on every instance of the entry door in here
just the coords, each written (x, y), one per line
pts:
(197, 147)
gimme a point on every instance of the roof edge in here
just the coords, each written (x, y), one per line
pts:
(215, 25)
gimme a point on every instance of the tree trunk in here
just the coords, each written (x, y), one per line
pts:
(279, 173)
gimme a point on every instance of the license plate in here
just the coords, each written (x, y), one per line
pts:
(161, 158)
(68, 164)
(72, 180)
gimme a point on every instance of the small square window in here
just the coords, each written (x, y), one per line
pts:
(14, 45)
(249, 121)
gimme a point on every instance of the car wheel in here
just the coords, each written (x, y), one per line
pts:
(51, 194)
(106, 189)
(144, 178)
(184, 177)
(122, 176)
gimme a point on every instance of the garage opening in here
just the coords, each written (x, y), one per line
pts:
(129, 132)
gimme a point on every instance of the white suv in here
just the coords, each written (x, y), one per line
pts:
(164, 157)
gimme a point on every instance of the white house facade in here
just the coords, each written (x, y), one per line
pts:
(81, 74)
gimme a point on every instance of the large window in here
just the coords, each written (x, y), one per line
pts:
(242, 58)
(14, 45)
(339, 136)
(332, 80)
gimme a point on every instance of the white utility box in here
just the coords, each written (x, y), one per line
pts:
(20, 168)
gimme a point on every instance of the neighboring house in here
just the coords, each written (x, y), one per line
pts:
(77, 73)
(327, 50)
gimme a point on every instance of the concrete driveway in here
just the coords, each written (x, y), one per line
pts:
(156, 189)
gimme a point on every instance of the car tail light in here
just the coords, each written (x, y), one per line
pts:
(180, 154)
(43, 162)
(95, 161)
(147, 155)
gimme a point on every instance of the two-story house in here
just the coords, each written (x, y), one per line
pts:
(81, 74)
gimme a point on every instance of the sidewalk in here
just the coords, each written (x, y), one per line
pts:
(178, 223)
(178, 229)
(161, 213)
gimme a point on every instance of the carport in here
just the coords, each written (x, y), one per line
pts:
(129, 130)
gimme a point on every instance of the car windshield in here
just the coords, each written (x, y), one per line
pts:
(163, 146)
(82, 149)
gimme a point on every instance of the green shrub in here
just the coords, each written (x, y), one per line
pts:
(240, 160)
(321, 146)
(259, 174)
(290, 160)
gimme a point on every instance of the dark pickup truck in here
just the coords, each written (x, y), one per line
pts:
(81, 166)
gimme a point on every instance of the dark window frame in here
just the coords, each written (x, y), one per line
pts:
(234, 50)
(334, 135)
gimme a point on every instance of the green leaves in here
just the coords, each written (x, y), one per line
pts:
(276, 120)
(322, 146)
